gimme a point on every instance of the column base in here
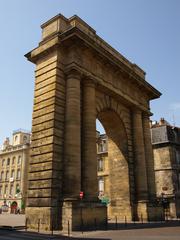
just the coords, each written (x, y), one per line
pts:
(43, 218)
(84, 215)
(121, 211)
(147, 211)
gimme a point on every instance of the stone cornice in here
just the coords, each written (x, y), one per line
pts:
(132, 70)
(59, 30)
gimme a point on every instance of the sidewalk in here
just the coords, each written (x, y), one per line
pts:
(12, 220)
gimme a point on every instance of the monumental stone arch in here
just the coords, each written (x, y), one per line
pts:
(79, 78)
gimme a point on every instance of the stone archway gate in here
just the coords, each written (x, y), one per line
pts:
(76, 73)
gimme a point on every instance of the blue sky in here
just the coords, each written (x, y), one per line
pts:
(146, 32)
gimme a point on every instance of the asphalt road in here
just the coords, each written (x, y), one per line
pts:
(161, 233)
(146, 231)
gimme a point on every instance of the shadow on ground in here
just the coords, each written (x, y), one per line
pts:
(111, 226)
(36, 236)
(124, 226)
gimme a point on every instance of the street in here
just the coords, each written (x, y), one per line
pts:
(147, 231)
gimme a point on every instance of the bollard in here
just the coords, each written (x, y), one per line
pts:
(116, 222)
(134, 220)
(141, 218)
(161, 217)
(167, 216)
(52, 226)
(82, 226)
(26, 224)
(106, 223)
(38, 225)
(125, 221)
(68, 229)
(95, 224)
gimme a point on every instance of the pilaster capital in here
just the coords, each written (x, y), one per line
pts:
(145, 116)
(136, 111)
(89, 81)
(73, 73)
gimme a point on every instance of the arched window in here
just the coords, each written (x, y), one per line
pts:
(11, 190)
(15, 138)
(7, 175)
(25, 139)
(13, 160)
(12, 173)
(2, 175)
(17, 189)
(6, 190)
(8, 161)
(18, 174)
(3, 162)
(19, 160)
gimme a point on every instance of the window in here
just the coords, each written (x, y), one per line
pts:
(101, 184)
(3, 162)
(19, 160)
(12, 173)
(18, 174)
(25, 139)
(16, 138)
(6, 190)
(13, 160)
(2, 175)
(8, 161)
(7, 175)
(177, 157)
(100, 147)
(100, 164)
(17, 189)
(11, 190)
(0, 190)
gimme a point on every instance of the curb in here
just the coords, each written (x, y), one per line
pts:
(11, 228)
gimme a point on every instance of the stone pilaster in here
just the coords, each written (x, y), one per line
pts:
(72, 137)
(139, 153)
(89, 159)
(149, 156)
(45, 165)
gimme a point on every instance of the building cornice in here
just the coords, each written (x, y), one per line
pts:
(59, 29)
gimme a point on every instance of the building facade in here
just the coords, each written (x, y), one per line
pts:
(166, 149)
(102, 164)
(14, 157)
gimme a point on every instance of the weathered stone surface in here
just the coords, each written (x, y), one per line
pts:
(75, 83)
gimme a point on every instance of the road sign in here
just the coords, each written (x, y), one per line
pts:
(81, 195)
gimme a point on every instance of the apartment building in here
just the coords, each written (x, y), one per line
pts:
(14, 157)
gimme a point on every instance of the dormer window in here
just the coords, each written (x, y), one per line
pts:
(25, 138)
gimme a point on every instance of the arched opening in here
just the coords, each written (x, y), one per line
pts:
(112, 164)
